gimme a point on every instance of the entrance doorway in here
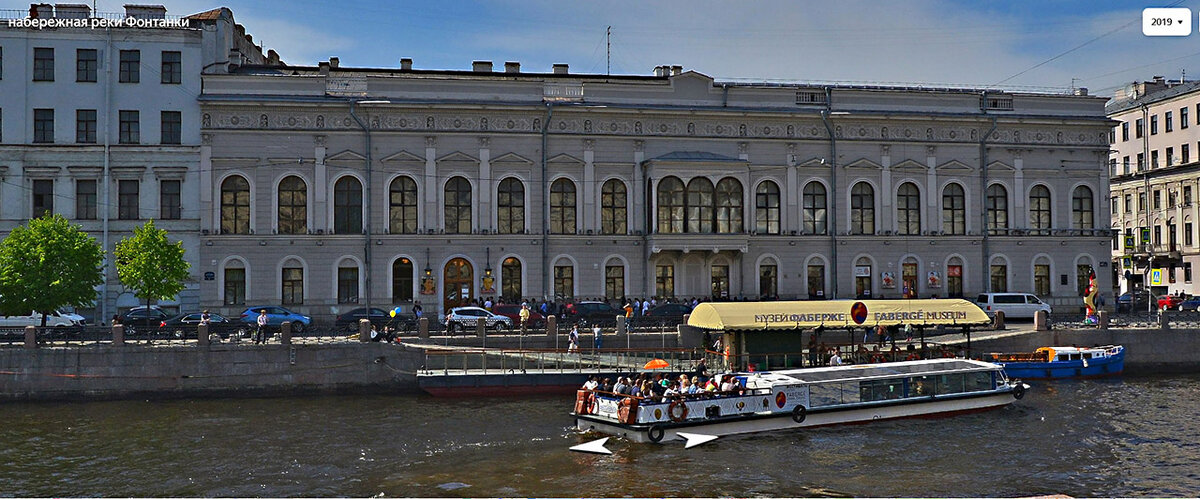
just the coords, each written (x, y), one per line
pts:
(458, 279)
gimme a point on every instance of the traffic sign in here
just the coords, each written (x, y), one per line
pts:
(1145, 235)
(1156, 277)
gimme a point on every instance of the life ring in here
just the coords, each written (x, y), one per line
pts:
(655, 433)
(1019, 391)
(799, 413)
(594, 404)
(877, 359)
(682, 412)
(948, 354)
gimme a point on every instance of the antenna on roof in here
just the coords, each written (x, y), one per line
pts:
(608, 51)
(1182, 76)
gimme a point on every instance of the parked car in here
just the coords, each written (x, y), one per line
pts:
(1167, 302)
(184, 325)
(55, 319)
(536, 319)
(1132, 301)
(1014, 305)
(277, 316)
(1192, 303)
(464, 318)
(349, 320)
(596, 312)
(142, 317)
(670, 310)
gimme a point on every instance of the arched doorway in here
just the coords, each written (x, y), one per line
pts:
(458, 279)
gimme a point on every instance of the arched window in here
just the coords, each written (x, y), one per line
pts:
(293, 206)
(999, 275)
(766, 208)
(954, 278)
(347, 206)
(1039, 209)
(1041, 276)
(562, 206)
(292, 280)
(670, 205)
(510, 280)
(402, 280)
(814, 208)
(862, 278)
(402, 206)
(564, 280)
(862, 209)
(510, 199)
(954, 210)
(908, 209)
(235, 205)
(997, 209)
(700, 206)
(347, 282)
(729, 206)
(235, 283)
(458, 206)
(614, 207)
(1082, 214)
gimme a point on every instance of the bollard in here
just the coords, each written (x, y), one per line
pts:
(423, 328)
(30, 337)
(1163, 322)
(998, 321)
(1041, 321)
(364, 330)
(551, 326)
(1103, 319)
(202, 335)
(621, 325)
(480, 328)
(118, 335)
(285, 333)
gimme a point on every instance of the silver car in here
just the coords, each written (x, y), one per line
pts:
(464, 318)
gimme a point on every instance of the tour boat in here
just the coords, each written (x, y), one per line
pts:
(1063, 362)
(802, 398)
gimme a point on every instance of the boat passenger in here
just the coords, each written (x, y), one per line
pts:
(835, 359)
(670, 392)
(620, 386)
(606, 385)
(591, 383)
(695, 386)
(727, 384)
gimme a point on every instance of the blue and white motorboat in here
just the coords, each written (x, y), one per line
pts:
(1062, 362)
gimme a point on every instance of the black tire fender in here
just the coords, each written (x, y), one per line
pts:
(799, 413)
(1019, 391)
(655, 433)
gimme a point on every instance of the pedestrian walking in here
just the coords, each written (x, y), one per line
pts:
(573, 340)
(599, 338)
(261, 335)
(524, 314)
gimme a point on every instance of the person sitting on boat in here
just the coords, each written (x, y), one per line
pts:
(620, 386)
(671, 392)
(727, 384)
(606, 385)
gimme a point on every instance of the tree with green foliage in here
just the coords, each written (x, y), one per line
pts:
(47, 265)
(150, 265)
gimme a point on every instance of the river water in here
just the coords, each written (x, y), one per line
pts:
(1131, 436)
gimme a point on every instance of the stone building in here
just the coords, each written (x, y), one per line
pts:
(1155, 174)
(328, 188)
(100, 122)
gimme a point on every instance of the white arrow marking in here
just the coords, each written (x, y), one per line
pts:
(694, 439)
(595, 447)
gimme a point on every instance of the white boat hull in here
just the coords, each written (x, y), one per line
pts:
(769, 421)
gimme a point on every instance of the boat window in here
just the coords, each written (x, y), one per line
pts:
(950, 383)
(1087, 355)
(920, 386)
(1063, 357)
(827, 394)
(978, 381)
(881, 389)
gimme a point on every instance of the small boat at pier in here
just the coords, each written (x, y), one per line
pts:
(1063, 362)
(804, 398)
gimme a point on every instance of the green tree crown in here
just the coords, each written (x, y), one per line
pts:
(47, 265)
(150, 265)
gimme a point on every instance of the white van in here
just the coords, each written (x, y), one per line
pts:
(1014, 305)
(56, 319)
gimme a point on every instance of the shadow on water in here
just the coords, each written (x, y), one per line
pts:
(1120, 436)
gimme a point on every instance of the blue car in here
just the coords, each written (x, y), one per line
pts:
(1190, 304)
(277, 316)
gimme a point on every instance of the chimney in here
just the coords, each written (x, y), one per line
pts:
(676, 70)
(41, 11)
(72, 11)
(560, 69)
(512, 67)
(1081, 91)
(660, 71)
(273, 58)
(323, 68)
(406, 64)
(481, 66)
(333, 62)
(145, 11)
(1158, 79)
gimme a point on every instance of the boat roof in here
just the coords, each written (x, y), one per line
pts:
(792, 315)
(866, 371)
(1074, 349)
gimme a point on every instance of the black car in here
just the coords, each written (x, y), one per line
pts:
(665, 314)
(1134, 301)
(142, 317)
(596, 312)
(378, 317)
(184, 325)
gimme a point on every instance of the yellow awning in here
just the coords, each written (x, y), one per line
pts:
(835, 314)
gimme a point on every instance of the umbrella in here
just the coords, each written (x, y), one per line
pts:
(656, 364)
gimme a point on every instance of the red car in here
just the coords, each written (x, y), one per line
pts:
(1166, 302)
(514, 312)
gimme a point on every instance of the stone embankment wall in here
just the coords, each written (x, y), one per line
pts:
(108, 372)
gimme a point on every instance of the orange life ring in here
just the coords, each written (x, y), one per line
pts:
(583, 401)
(948, 354)
(627, 410)
(679, 415)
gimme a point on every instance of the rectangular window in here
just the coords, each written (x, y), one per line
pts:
(1183, 118)
(1154, 158)
(1187, 234)
(1125, 167)
(1138, 128)
(1187, 272)
(1157, 235)
(43, 64)
(614, 282)
(1141, 161)
(1125, 131)
(85, 65)
(664, 281)
(1128, 203)
(172, 67)
(1141, 202)
(564, 282)
(85, 199)
(130, 68)
(169, 203)
(1112, 136)
(1154, 125)
(1115, 205)
(43, 126)
(1, 63)
(1170, 156)
(347, 284)
(43, 197)
(1171, 199)
(172, 124)
(130, 128)
(85, 126)
(127, 200)
(1157, 199)
(235, 286)
(1167, 123)
(293, 286)
(1187, 195)
(1185, 154)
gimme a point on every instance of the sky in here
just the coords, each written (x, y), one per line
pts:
(1016, 44)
